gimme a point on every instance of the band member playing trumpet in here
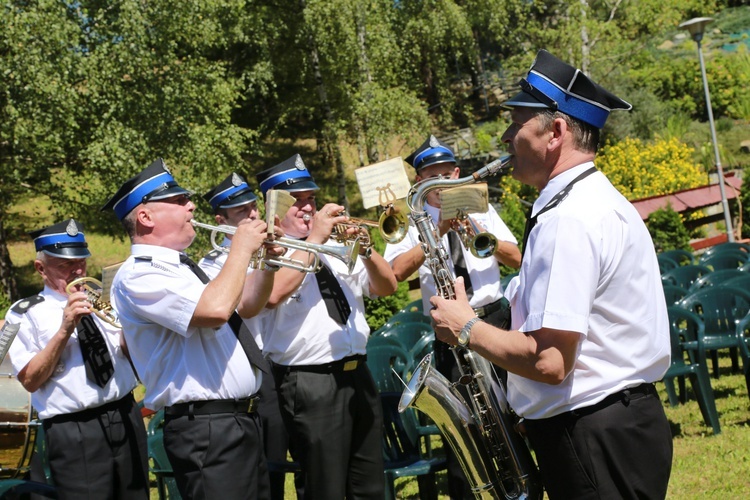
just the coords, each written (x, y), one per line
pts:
(432, 159)
(315, 334)
(191, 349)
(79, 377)
(233, 201)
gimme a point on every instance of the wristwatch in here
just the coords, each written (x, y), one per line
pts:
(367, 254)
(465, 334)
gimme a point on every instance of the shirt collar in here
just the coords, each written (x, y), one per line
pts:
(557, 184)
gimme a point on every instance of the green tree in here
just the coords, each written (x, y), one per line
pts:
(668, 230)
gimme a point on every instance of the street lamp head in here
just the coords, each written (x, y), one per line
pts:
(697, 26)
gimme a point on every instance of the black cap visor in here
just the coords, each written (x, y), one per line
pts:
(63, 251)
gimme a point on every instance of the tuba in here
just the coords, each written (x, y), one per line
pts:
(94, 289)
(495, 458)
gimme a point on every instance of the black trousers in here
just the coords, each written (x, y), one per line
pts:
(619, 449)
(275, 438)
(335, 421)
(99, 453)
(217, 456)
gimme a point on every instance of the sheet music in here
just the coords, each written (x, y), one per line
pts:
(382, 183)
(278, 202)
(470, 199)
(7, 334)
(108, 274)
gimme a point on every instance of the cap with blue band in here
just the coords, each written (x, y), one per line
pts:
(154, 183)
(554, 84)
(64, 239)
(290, 175)
(231, 192)
(431, 152)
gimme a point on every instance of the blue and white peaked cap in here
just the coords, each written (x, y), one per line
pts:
(431, 152)
(554, 84)
(154, 183)
(290, 175)
(231, 192)
(64, 240)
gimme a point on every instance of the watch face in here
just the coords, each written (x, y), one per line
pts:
(463, 338)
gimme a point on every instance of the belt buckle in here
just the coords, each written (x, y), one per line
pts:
(252, 405)
(351, 365)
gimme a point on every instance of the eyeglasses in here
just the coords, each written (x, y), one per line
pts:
(538, 95)
(179, 199)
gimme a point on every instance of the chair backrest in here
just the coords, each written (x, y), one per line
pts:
(719, 307)
(682, 257)
(673, 294)
(383, 360)
(666, 264)
(683, 327)
(409, 334)
(400, 432)
(726, 259)
(742, 281)
(413, 306)
(407, 317)
(714, 278)
(684, 276)
(729, 245)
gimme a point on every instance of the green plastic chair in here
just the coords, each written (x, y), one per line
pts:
(723, 310)
(401, 450)
(715, 278)
(410, 335)
(414, 306)
(666, 264)
(673, 294)
(161, 468)
(726, 259)
(682, 257)
(406, 317)
(728, 246)
(504, 280)
(20, 488)
(686, 328)
(742, 281)
(388, 362)
(684, 276)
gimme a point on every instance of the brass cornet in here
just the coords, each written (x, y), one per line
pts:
(93, 288)
(480, 243)
(393, 225)
(346, 254)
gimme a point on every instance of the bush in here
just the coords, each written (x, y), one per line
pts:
(667, 230)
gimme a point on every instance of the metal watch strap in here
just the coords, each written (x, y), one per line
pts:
(465, 335)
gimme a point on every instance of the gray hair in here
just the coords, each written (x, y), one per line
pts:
(585, 136)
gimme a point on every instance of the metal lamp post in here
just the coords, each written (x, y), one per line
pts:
(696, 27)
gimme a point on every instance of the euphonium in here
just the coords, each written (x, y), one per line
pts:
(480, 243)
(93, 289)
(494, 457)
(346, 254)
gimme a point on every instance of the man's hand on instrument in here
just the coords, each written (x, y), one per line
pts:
(250, 234)
(324, 221)
(450, 316)
(78, 306)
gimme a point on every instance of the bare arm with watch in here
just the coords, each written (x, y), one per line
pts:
(544, 355)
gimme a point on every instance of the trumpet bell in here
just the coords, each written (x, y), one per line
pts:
(483, 245)
(393, 225)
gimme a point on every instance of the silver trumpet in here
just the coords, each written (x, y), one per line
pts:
(479, 242)
(346, 254)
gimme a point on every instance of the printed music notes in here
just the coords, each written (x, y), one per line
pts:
(381, 184)
(470, 199)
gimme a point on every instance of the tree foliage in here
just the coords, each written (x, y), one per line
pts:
(668, 230)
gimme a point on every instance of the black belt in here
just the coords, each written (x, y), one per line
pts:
(213, 406)
(347, 364)
(486, 310)
(624, 396)
(91, 413)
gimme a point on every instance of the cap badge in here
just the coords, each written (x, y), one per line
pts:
(236, 181)
(71, 229)
(298, 163)
(434, 142)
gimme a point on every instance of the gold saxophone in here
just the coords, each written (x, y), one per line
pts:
(495, 458)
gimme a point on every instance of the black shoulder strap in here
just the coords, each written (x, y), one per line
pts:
(146, 258)
(212, 255)
(23, 305)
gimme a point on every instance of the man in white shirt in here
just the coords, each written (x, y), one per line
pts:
(315, 333)
(590, 331)
(79, 377)
(233, 201)
(431, 160)
(188, 344)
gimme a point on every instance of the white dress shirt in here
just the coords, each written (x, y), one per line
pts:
(155, 297)
(67, 390)
(484, 273)
(299, 331)
(590, 267)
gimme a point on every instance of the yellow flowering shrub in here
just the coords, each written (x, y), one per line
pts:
(641, 169)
